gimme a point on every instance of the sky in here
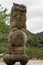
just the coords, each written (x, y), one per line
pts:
(34, 13)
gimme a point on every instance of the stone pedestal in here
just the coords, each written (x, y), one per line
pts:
(17, 36)
(11, 59)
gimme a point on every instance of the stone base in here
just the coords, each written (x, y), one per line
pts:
(11, 59)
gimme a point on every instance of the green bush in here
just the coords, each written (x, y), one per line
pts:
(4, 47)
(33, 52)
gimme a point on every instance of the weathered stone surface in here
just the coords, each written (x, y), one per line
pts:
(17, 36)
(11, 59)
(18, 16)
(16, 50)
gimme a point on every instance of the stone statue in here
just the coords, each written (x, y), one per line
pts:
(17, 36)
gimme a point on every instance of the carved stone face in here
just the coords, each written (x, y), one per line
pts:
(18, 16)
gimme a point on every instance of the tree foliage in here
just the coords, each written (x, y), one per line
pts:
(4, 29)
(34, 40)
(3, 16)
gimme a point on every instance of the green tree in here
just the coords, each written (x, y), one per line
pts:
(4, 29)
(3, 16)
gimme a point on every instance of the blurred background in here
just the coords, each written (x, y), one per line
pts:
(34, 23)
